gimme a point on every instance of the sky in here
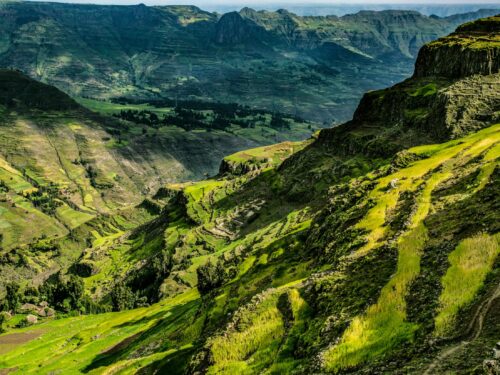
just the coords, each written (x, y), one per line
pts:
(301, 2)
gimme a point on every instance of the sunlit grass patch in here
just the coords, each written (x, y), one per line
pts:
(251, 346)
(410, 177)
(384, 326)
(273, 154)
(71, 217)
(470, 262)
(70, 345)
(427, 90)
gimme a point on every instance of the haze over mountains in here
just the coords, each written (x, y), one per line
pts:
(440, 8)
(315, 67)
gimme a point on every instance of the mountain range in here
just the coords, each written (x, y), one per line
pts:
(314, 67)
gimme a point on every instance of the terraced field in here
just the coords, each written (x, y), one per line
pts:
(267, 327)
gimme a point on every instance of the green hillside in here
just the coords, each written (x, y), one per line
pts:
(315, 67)
(70, 177)
(372, 247)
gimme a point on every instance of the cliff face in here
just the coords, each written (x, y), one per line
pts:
(473, 49)
(454, 91)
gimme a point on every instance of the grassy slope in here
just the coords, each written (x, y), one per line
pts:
(272, 322)
(331, 271)
(47, 146)
(383, 326)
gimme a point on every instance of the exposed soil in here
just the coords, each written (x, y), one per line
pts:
(9, 342)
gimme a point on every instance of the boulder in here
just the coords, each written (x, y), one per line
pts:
(50, 312)
(28, 307)
(31, 319)
(491, 367)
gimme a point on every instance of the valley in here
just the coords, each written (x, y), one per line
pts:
(143, 234)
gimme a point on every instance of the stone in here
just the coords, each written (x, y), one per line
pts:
(29, 307)
(491, 367)
(31, 319)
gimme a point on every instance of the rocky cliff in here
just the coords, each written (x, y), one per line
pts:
(454, 91)
(473, 48)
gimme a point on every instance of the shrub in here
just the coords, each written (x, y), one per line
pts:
(210, 277)
(122, 297)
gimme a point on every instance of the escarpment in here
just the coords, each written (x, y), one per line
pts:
(473, 48)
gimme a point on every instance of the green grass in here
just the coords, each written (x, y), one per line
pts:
(246, 351)
(409, 178)
(383, 327)
(427, 90)
(71, 345)
(470, 262)
(109, 108)
(270, 155)
(72, 218)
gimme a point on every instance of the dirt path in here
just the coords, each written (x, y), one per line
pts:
(473, 331)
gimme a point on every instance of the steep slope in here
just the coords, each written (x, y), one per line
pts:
(366, 249)
(316, 67)
(70, 178)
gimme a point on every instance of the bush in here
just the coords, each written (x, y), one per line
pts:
(210, 277)
(122, 297)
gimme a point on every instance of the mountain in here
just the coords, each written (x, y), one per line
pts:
(339, 9)
(372, 247)
(314, 67)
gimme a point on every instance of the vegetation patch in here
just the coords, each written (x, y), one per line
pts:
(470, 263)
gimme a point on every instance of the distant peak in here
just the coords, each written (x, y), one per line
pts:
(246, 10)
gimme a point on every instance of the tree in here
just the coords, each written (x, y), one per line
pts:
(210, 277)
(63, 293)
(122, 297)
(73, 291)
(12, 296)
(2, 321)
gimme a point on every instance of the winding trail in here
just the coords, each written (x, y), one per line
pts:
(473, 331)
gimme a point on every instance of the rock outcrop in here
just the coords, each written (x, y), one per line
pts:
(473, 49)
(454, 91)
(233, 29)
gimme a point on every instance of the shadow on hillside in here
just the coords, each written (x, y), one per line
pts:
(141, 321)
(122, 349)
(173, 364)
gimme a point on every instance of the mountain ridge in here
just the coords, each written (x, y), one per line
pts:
(173, 52)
